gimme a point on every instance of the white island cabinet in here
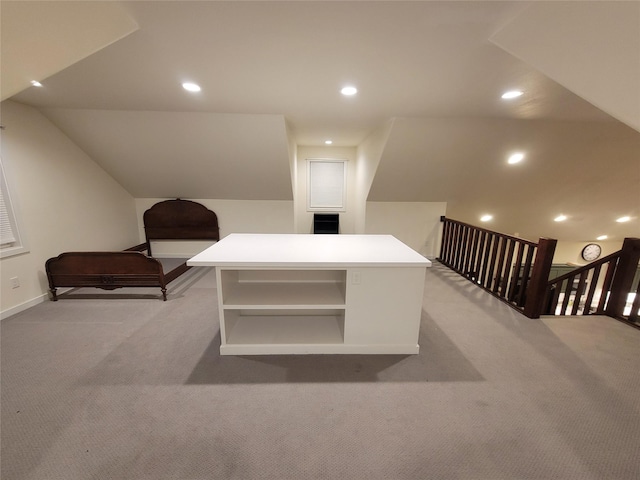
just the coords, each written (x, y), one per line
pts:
(305, 294)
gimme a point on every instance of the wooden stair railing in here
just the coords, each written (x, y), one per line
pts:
(568, 293)
(585, 291)
(512, 269)
(517, 272)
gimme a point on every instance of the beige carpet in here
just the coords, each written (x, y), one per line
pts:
(120, 385)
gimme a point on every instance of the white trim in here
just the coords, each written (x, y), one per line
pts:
(9, 312)
(15, 250)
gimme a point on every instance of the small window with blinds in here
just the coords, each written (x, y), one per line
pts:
(326, 185)
(11, 240)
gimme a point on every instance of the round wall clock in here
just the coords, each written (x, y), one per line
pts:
(591, 252)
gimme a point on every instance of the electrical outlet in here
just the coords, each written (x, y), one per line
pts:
(355, 278)
(15, 282)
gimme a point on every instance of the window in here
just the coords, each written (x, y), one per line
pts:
(11, 240)
(326, 185)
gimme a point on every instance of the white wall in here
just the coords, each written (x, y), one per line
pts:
(234, 216)
(293, 166)
(417, 224)
(67, 202)
(569, 252)
(369, 154)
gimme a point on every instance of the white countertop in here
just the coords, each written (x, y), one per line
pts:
(308, 251)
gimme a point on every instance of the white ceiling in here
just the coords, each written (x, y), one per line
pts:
(272, 70)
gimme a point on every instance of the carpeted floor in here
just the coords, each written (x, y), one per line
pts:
(121, 385)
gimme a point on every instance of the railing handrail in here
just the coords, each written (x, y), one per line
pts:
(504, 235)
(584, 268)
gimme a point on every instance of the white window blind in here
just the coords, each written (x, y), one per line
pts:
(12, 240)
(326, 185)
(7, 237)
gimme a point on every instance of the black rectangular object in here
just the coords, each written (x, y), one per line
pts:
(326, 223)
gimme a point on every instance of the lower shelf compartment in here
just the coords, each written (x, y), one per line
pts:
(265, 333)
(318, 349)
(283, 329)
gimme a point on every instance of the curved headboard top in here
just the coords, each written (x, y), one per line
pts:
(180, 220)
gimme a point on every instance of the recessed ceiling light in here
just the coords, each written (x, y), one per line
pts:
(602, 237)
(486, 218)
(516, 158)
(349, 90)
(328, 142)
(623, 219)
(560, 218)
(191, 87)
(36, 83)
(512, 94)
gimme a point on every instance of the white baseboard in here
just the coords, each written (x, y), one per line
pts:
(9, 312)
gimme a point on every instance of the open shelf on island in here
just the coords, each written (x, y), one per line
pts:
(278, 327)
(278, 288)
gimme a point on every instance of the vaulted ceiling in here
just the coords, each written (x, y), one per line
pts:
(271, 72)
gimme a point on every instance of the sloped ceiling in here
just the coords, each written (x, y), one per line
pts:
(596, 50)
(576, 164)
(435, 67)
(185, 154)
(589, 171)
(42, 38)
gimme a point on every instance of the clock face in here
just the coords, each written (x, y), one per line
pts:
(591, 252)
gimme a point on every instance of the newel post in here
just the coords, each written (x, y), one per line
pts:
(623, 277)
(537, 287)
(443, 241)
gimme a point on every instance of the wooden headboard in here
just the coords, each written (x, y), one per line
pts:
(180, 220)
